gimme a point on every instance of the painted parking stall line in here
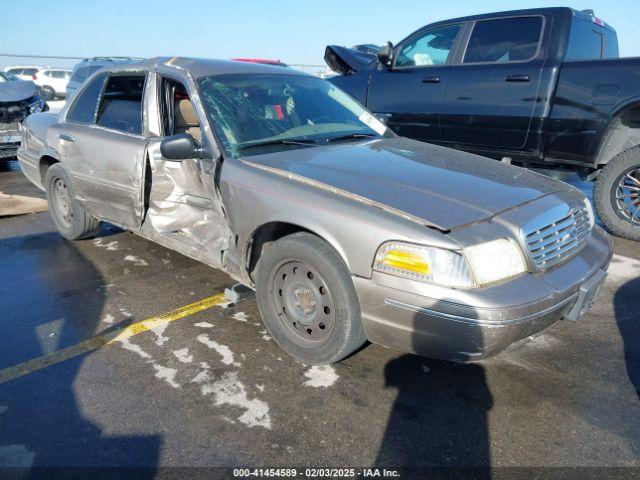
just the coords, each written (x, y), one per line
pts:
(107, 339)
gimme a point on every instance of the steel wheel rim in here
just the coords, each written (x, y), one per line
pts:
(62, 202)
(627, 196)
(303, 302)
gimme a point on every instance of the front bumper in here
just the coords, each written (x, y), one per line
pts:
(10, 138)
(473, 324)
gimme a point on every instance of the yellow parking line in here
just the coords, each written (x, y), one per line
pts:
(94, 343)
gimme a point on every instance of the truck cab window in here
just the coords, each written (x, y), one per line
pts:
(504, 40)
(589, 41)
(432, 47)
(84, 106)
(121, 104)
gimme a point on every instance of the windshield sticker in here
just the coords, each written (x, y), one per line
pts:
(373, 123)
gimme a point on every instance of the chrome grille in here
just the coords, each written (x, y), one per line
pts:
(553, 243)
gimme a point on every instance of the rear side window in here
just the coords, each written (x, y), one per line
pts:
(30, 71)
(84, 107)
(504, 40)
(82, 73)
(121, 105)
(588, 41)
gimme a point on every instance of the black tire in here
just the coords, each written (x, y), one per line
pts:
(622, 222)
(70, 219)
(48, 93)
(330, 285)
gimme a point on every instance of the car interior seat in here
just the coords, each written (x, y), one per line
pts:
(186, 120)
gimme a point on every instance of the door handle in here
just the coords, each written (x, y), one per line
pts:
(66, 137)
(431, 79)
(517, 78)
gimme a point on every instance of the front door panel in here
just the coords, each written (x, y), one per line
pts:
(410, 99)
(183, 205)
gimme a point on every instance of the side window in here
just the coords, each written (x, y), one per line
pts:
(432, 47)
(30, 71)
(504, 40)
(84, 106)
(178, 113)
(121, 105)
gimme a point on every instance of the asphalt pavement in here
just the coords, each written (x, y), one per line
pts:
(100, 366)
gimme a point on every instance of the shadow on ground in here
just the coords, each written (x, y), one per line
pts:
(627, 310)
(439, 418)
(43, 430)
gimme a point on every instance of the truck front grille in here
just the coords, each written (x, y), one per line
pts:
(553, 243)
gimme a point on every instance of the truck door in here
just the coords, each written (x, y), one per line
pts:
(103, 144)
(492, 93)
(408, 96)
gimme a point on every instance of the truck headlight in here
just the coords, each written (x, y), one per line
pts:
(424, 264)
(589, 208)
(495, 260)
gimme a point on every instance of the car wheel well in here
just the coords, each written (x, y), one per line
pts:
(623, 134)
(44, 164)
(266, 234)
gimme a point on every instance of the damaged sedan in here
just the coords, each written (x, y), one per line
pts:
(346, 231)
(18, 99)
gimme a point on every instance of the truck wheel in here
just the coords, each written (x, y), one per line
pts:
(71, 220)
(617, 194)
(48, 93)
(307, 300)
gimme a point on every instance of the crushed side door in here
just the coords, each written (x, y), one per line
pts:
(184, 208)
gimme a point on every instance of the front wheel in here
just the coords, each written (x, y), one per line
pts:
(70, 219)
(308, 301)
(617, 194)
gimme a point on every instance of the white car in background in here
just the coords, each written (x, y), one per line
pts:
(23, 72)
(52, 82)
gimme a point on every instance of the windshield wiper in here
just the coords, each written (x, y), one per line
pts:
(349, 136)
(281, 141)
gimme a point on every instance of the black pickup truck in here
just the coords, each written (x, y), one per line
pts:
(542, 88)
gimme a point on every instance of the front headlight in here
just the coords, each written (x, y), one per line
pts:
(478, 265)
(589, 208)
(424, 264)
(495, 260)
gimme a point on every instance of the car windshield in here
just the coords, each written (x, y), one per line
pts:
(8, 77)
(259, 113)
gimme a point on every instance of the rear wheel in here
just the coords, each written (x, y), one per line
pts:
(617, 194)
(70, 219)
(307, 300)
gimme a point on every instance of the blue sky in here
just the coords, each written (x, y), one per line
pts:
(293, 31)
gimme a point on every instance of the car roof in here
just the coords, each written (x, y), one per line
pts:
(585, 15)
(203, 67)
(12, 67)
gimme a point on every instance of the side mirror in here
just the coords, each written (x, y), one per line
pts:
(179, 147)
(385, 54)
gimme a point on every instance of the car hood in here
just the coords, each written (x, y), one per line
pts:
(16, 91)
(445, 188)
